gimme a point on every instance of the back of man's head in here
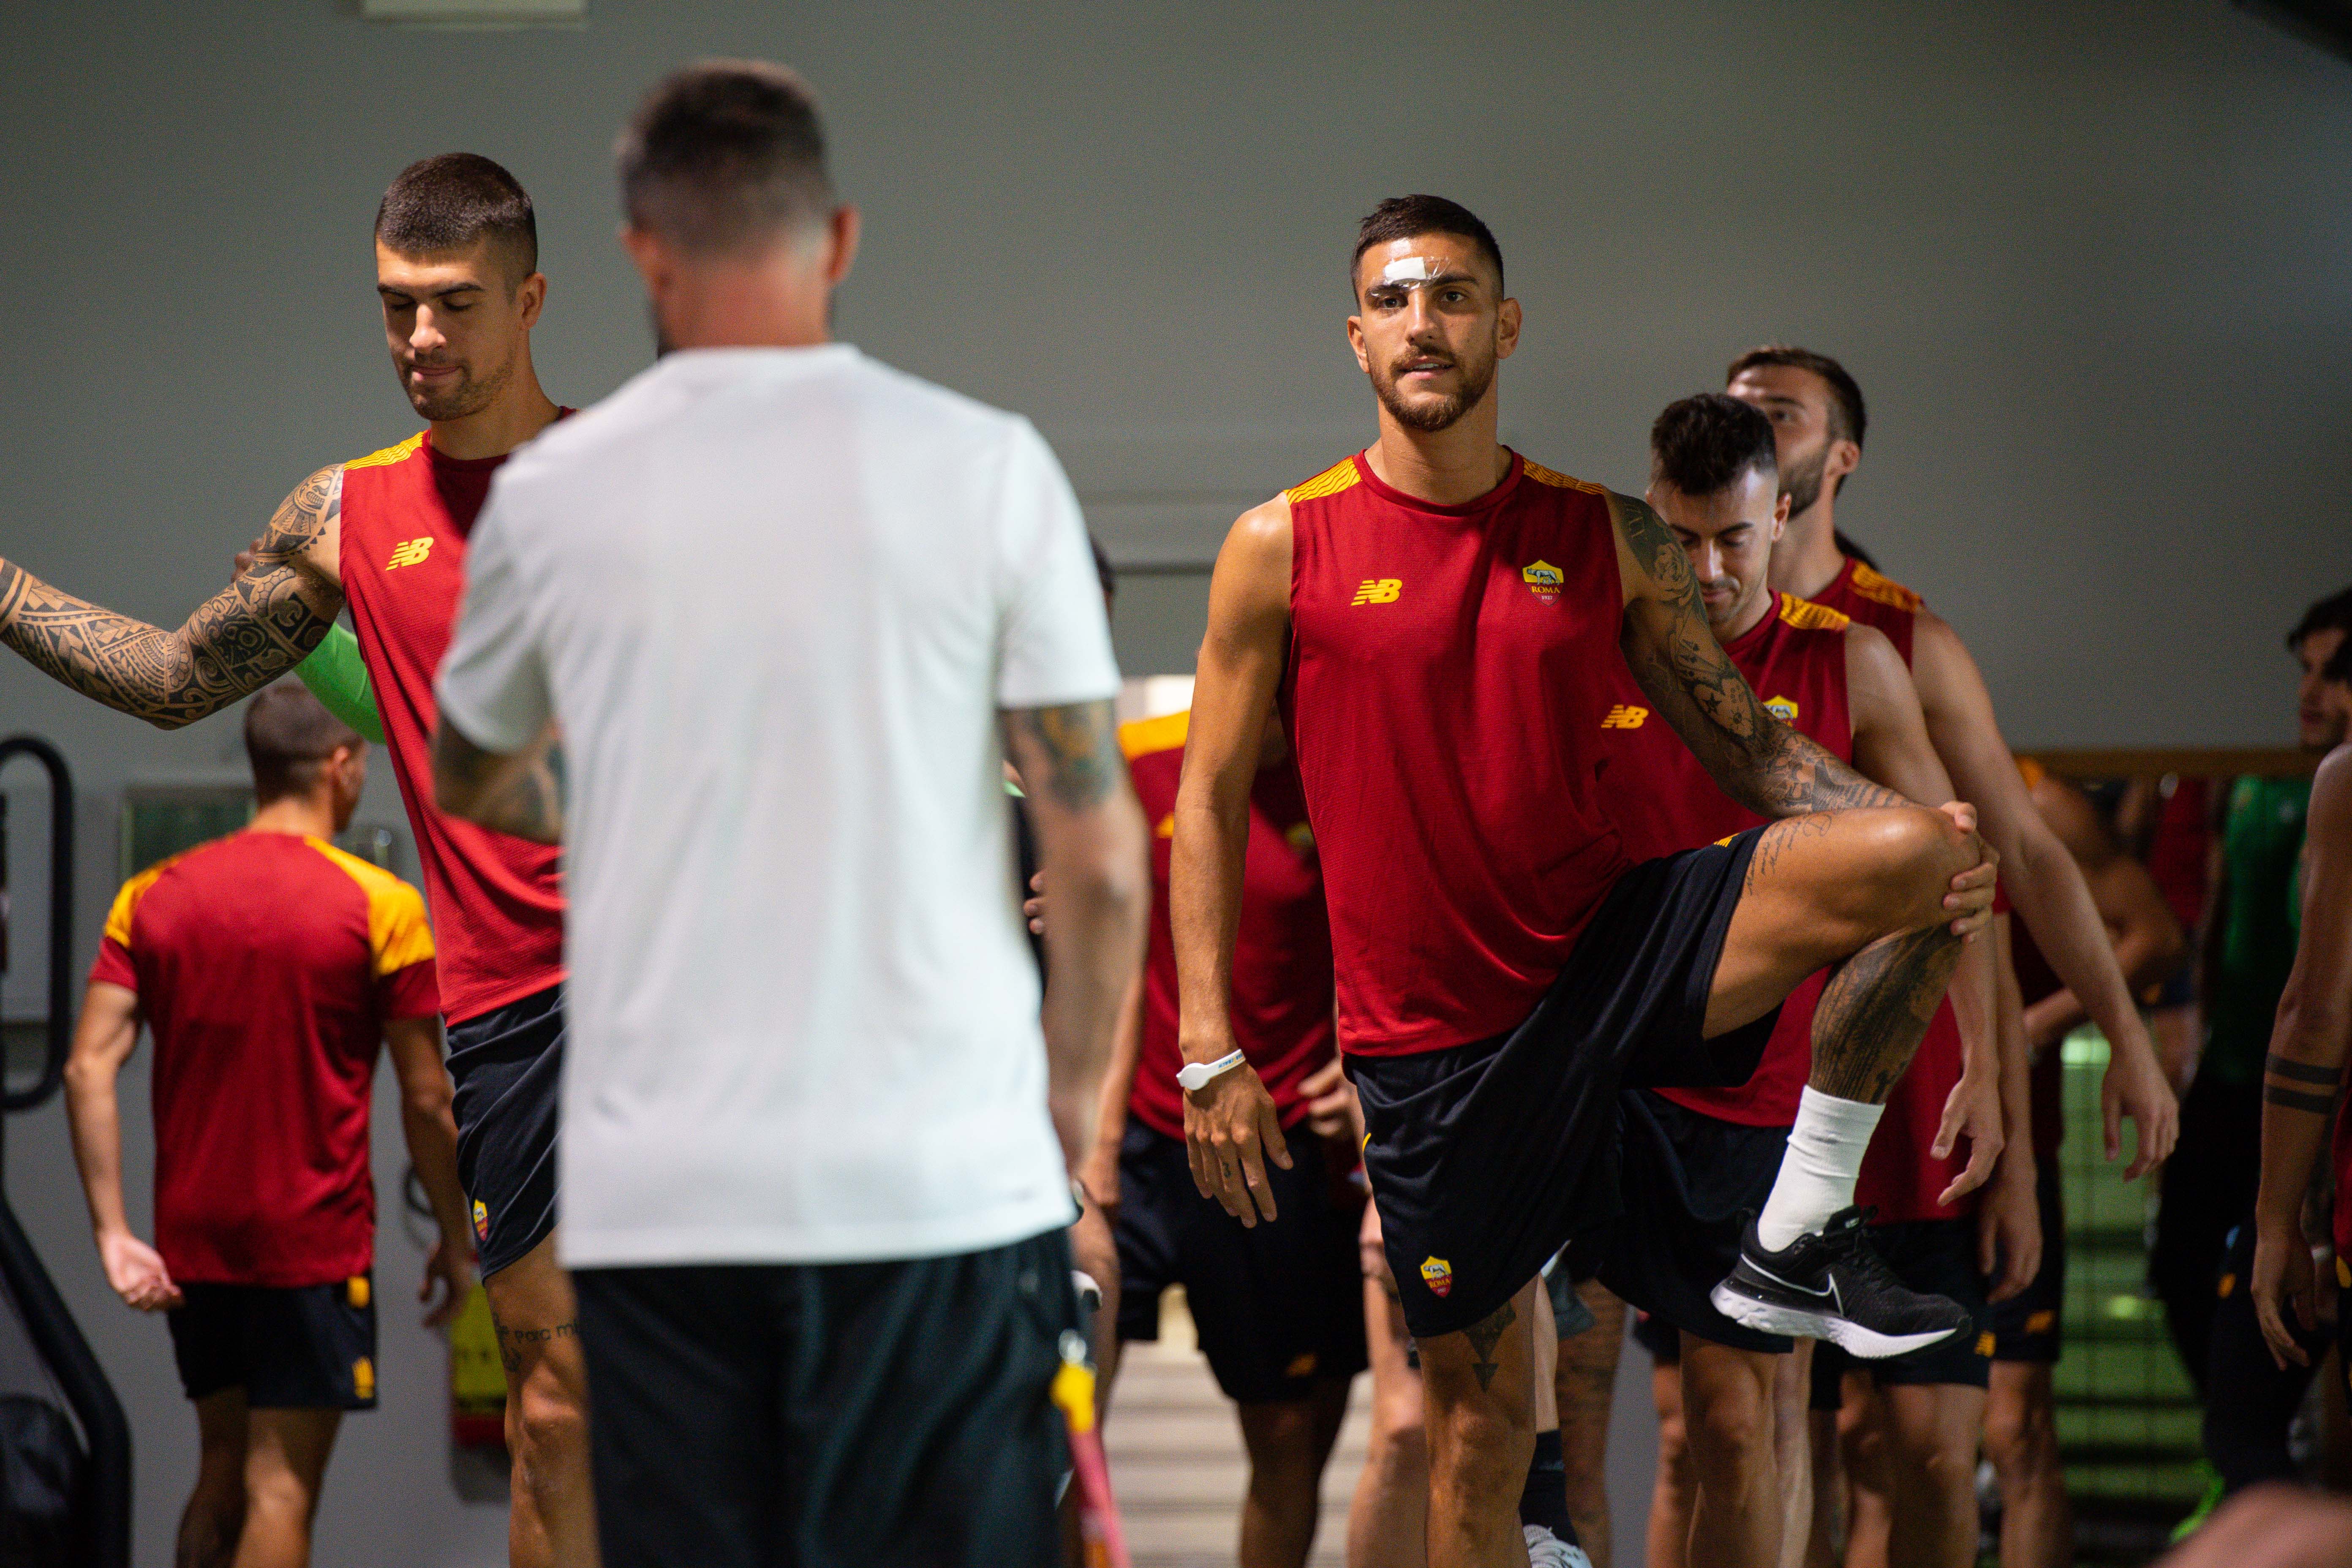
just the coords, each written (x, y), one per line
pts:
(454, 201)
(2332, 613)
(726, 157)
(1704, 444)
(287, 734)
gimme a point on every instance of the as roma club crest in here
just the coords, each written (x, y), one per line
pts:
(1438, 1275)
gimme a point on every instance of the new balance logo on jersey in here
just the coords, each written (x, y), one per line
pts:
(1625, 717)
(1378, 591)
(409, 551)
(1784, 708)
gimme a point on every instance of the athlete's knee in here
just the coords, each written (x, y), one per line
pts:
(273, 1492)
(547, 1421)
(1673, 1448)
(1913, 854)
(1281, 1437)
(1729, 1437)
(2018, 1427)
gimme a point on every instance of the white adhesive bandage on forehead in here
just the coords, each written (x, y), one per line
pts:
(1406, 270)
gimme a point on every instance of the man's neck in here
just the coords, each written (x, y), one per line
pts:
(1806, 560)
(300, 816)
(1749, 617)
(520, 413)
(1451, 466)
(773, 301)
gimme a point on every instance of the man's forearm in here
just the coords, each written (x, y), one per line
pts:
(431, 1133)
(1205, 913)
(93, 1118)
(518, 792)
(2299, 1090)
(2051, 895)
(1094, 947)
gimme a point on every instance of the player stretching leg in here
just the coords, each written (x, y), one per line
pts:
(458, 271)
(1697, 1160)
(1436, 615)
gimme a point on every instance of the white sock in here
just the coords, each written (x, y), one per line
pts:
(1817, 1173)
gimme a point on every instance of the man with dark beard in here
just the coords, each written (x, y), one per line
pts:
(456, 252)
(1435, 616)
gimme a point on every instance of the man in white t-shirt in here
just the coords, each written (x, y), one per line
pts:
(792, 609)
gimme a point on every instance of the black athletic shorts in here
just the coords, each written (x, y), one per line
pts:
(1691, 1181)
(888, 1414)
(1280, 1305)
(1937, 1256)
(1660, 1338)
(2027, 1327)
(1486, 1157)
(508, 1064)
(307, 1347)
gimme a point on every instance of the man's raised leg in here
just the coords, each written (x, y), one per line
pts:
(1865, 892)
(553, 1521)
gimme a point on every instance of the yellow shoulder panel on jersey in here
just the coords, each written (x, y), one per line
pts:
(397, 933)
(126, 902)
(388, 456)
(1806, 616)
(1885, 590)
(1338, 476)
(2032, 772)
(1145, 736)
(1559, 480)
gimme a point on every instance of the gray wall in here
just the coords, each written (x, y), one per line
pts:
(2089, 263)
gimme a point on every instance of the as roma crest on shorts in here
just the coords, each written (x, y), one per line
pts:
(1438, 1275)
(482, 1222)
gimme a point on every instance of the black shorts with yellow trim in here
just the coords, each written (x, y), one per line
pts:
(305, 1347)
(2027, 1327)
(1937, 1256)
(1486, 1157)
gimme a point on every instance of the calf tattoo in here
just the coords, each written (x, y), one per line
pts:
(1875, 1010)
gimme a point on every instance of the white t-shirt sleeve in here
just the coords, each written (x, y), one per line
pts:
(1053, 642)
(493, 684)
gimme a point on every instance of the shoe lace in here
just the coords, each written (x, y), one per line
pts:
(1850, 1244)
(1545, 1549)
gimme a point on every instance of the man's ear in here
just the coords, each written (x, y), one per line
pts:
(1780, 514)
(1844, 457)
(844, 232)
(1355, 342)
(530, 298)
(651, 254)
(1506, 329)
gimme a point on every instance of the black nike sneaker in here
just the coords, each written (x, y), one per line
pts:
(1831, 1284)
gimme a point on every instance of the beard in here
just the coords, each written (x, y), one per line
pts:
(467, 396)
(1435, 414)
(1802, 483)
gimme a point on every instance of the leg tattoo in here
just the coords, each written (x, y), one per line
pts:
(1484, 1336)
(1875, 1009)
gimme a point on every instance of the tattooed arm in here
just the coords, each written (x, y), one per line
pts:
(1759, 762)
(237, 642)
(519, 792)
(1093, 850)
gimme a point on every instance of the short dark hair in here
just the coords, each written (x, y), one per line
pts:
(2332, 614)
(724, 154)
(2338, 667)
(287, 734)
(453, 201)
(1406, 217)
(1701, 443)
(1850, 419)
(1105, 572)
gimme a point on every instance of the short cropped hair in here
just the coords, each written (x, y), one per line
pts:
(1849, 418)
(726, 155)
(1848, 547)
(453, 201)
(287, 734)
(1408, 217)
(1705, 443)
(2332, 614)
(2338, 667)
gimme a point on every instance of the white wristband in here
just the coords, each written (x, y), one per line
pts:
(1196, 1075)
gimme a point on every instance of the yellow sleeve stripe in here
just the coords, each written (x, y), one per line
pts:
(2032, 772)
(389, 455)
(1559, 480)
(1338, 476)
(126, 902)
(1806, 616)
(397, 933)
(1165, 734)
(1883, 589)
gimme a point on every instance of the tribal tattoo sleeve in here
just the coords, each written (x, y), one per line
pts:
(237, 642)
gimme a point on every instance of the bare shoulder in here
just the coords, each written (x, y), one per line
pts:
(1877, 682)
(2331, 795)
(1253, 566)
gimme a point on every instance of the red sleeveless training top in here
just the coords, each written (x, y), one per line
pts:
(1450, 667)
(497, 901)
(1898, 1175)
(1663, 802)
